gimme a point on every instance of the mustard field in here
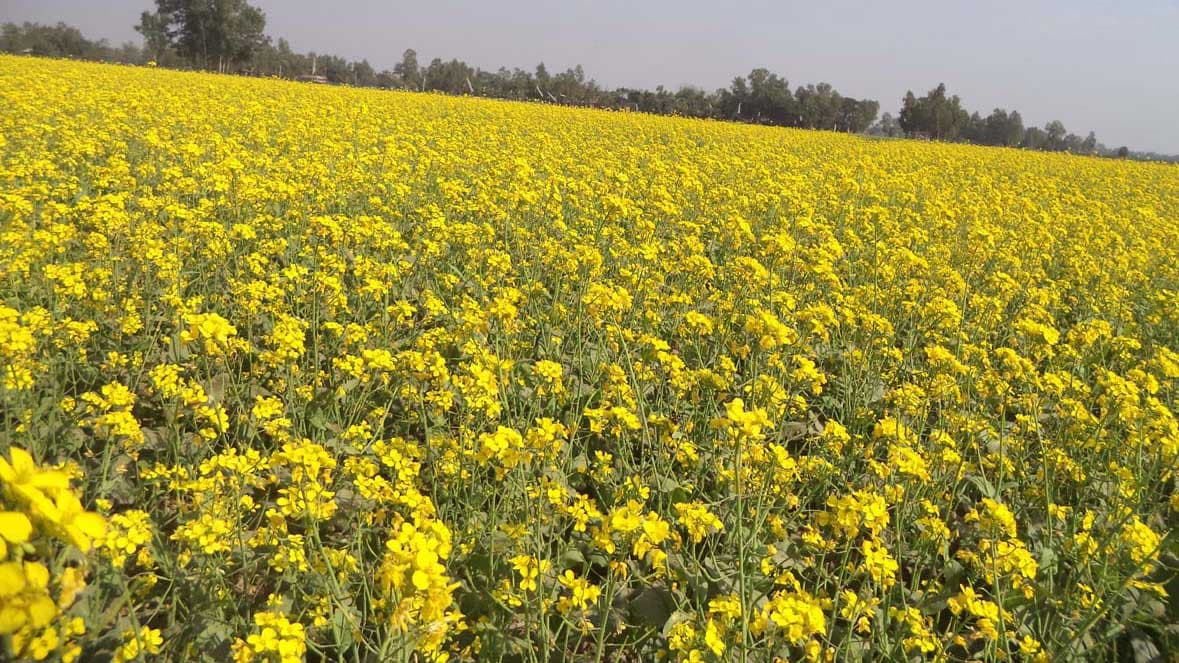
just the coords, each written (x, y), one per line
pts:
(294, 372)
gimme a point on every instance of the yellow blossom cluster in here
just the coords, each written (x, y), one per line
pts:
(369, 375)
(41, 522)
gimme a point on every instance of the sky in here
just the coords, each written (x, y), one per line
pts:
(1107, 66)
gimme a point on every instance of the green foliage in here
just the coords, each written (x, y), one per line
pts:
(935, 115)
(206, 32)
(63, 41)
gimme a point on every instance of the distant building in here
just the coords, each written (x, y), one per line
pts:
(312, 78)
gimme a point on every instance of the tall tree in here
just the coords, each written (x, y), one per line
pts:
(1035, 138)
(887, 126)
(734, 102)
(912, 116)
(1056, 134)
(862, 115)
(210, 33)
(1001, 128)
(154, 28)
(769, 97)
(363, 74)
(409, 71)
(243, 30)
(1013, 131)
(975, 130)
(817, 106)
(1089, 145)
(935, 115)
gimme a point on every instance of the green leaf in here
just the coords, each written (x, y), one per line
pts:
(342, 628)
(666, 484)
(318, 420)
(213, 641)
(985, 487)
(572, 559)
(953, 573)
(217, 386)
(1047, 558)
(1144, 648)
(652, 607)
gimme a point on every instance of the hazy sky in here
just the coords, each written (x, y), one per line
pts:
(1111, 67)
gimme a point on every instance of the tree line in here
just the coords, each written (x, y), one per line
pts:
(64, 41)
(229, 36)
(939, 116)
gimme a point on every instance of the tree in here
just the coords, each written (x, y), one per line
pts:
(409, 71)
(363, 74)
(386, 79)
(1035, 138)
(935, 115)
(56, 41)
(281, 60)
(242, 28)
(734, 102)
(334, 68)
(570, 86)
(912, 117)
(692, 102)
(226, 33)
(541, 78)
(154, 28)
(769, 97)
(887, 126)
(1055, 134)
(1123, 152)
(63, 41)
(451, 77)
(1089, 145)
(1001, 128)
(1013, 132)
(975, 130)
(857, 115)
(817, 106)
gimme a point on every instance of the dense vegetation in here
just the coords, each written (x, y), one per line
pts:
(359, 375)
